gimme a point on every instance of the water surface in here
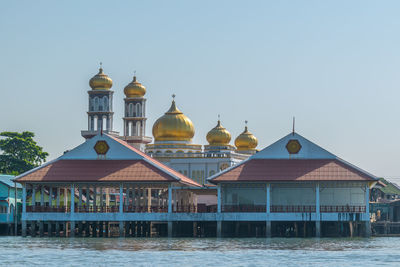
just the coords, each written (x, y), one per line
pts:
(18, 251)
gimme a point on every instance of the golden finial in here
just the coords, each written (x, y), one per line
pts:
(101, 67)
(245, 127)
(134, 76)
(173, 97)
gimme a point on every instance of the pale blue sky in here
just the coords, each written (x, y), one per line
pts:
(332, 64)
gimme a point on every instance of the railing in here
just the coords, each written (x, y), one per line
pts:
(281, 208)
(203, 208)
(244, 208)
(184, 208)
(152, 209)
(97, 209)
(47, 209)
(351, 209)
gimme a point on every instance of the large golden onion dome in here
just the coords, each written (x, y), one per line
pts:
(173, 126)
(135, 89)
(218, 136)
(246, 141)
(100, 81)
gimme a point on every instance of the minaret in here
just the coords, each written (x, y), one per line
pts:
(135, 115)
(100, 114)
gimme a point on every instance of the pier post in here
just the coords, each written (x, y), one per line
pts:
(23, 228)
(41, 226)
(219, 228)
(57, 229)
(72, 225)
(268, 229)
(170, 229)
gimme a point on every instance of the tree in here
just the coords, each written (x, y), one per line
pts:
(19, 152)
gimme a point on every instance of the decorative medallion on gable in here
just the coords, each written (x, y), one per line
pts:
(293, 146)
(101, 147)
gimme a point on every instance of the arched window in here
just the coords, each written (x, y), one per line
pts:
(91, 104)
(96, 103)
(105, 103)
(138, 110)
(130, 108)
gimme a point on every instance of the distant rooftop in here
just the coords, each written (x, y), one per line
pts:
(7, 180)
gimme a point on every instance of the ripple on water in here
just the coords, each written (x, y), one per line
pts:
(16, 251)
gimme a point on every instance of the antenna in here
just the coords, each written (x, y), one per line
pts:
(294, 123)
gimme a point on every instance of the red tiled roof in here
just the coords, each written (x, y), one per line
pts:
(292, 170)
(179, 175)
(98, 170)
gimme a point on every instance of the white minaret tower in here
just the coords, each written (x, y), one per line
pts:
(135, 115)
(100, 114)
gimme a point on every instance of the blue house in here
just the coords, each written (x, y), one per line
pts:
(7, 203)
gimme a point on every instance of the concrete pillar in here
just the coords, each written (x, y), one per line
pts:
(72, 225)
(57, 229)
(24, 228)
(169, 199)
(268, 210)
(49, 229)
(219, 229)
(33, 195)
(268, 229)
(317, 212)
(41, 230)
(219, 198)
(51, 197)
(368, 229)
(170, 229)
(58, 197)
(318, 229)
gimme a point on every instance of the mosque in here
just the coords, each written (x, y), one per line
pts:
(173, 132)
(124, 185)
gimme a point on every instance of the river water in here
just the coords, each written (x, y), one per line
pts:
(18, 251)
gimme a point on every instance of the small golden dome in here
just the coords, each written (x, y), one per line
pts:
(218, 136)
(135, 89)
(100, 81)
(173, 126)
(246, 141)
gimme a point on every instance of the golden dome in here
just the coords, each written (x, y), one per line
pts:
(218, 136)
(246, 141)
(134, 89)
(100, 81)
(173, 126)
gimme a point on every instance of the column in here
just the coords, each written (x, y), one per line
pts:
(219, 222)
(87, 198)
(72, 210)
(268, 209)
(367, 219)
(41, 223)
(169, 210)
(149, 200)
(58, 197)
(80, 198)
(94, 199)
(23, 209)
(121, 209)
(317, 212)
(50, 197)
(33, 197)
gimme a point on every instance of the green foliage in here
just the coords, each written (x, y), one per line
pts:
(19, 152)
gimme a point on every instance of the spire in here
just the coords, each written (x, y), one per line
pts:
(101, 67)
(134, 76)
(294, 122)
(245, 127)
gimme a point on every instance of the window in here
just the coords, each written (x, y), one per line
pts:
(105, 103)
(130, 110)
(138, 110)
(96, 103)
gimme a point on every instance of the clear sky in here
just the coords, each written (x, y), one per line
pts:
(333, 64)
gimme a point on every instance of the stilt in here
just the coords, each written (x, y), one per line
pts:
(41, 230)
(57, 229)
(127, 228)
(87, 229)
(268, 229)
(65, 229)
(219, 229)
(49, 229)
(318, 229)
(33, 228)
(24, 228)
(121, 229)
(72, 232)
(101, 224)
(170, 229)
(351, 229)
(305, 229)
(80, 228)
(107, 233)
(237, 227)
(296, 230)
(194, 229)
